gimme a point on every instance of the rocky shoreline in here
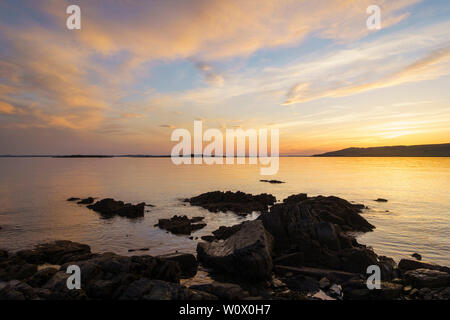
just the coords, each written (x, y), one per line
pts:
(299, 249)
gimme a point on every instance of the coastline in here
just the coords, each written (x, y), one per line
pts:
(299, 250)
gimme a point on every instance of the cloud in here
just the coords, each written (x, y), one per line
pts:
(6, 108)
(211, 76)
(167, 126)
(132, 115)
(426, 68)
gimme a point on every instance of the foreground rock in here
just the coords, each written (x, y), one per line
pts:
(103, 276)
(237, 202)
(246, 254)
(181, 224)
(187, 262)
(109, 207)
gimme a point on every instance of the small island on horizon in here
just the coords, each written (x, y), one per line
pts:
(425, 150)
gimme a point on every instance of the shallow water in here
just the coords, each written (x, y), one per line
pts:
(33, 192)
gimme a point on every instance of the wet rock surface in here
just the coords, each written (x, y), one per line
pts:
(237, 202)
(103, 276)
(247, 253)
(109, 208)
(181, 224)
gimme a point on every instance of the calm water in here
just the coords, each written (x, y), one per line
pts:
(33, 192)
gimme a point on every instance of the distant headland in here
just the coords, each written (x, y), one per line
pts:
(425, 150)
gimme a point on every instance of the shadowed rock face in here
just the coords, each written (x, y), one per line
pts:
(110, 207)
(246, 254)
(103, 276)
(237, 202)
(313, 228)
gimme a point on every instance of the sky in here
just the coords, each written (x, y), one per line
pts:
(137, 70)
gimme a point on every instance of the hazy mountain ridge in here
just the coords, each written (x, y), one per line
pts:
(426, 150)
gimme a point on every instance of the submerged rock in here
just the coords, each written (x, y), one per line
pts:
(73, 199)
(88, 200)
(237, 202)
(246, 254)
(109, 207)
(381, 200)
(181, 224)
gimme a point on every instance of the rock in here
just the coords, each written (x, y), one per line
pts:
(416, 256)
(147, 289)
(16, 290)
(295, 259)
(59, 252)
(109, 207)
(246, 254)
(224, 291)
(320, 295)
(296, 198)
(88, 200)
(335, 291)
(41, 277)
(16, 269)
(237, 202)
(316, 273)
(324, 283)
(3, 255)
(225, 232)
(408, 264)
(305, 228)
(57, 285)
(207, 238)
(357, 290)
(302, 284)
(73, 199)
(181, 224)
(381, 200)
(272, 181)
(187, 262)
(426, 278)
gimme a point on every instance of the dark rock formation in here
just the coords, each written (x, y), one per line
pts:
(88, 200)
(408, 264)
(224, 291)
(296, 198)
(381, 200)
(181, 224)
(272, 181)
(103, 276)
(186, 261)
(237, 202)
(73, 199)
(246, 254)
(426, 278)
(416, 256)
(109, 207)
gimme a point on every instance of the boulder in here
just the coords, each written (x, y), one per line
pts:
(296, 198)
(358, 290)
(187, 262)
(409, 264)
(237, 202)
(426, 278)
(181, 224)
(109, 207)
(246, 254)
(41, 277)
(223, 291)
